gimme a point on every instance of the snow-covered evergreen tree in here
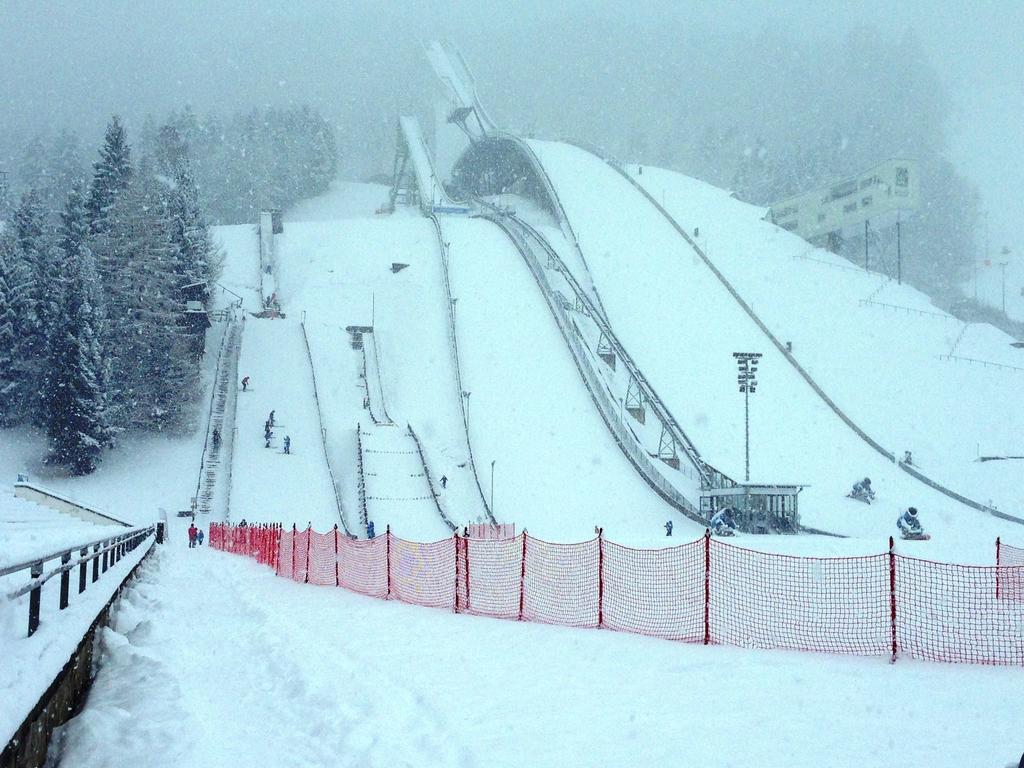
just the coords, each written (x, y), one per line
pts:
(38, 269)
(111, 174)
(15, 373)
(154, 366)
(74, 397)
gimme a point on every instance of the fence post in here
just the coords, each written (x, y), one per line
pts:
(522, 580)
(34, 600)
(457, 547)
(337, 580)
(295, 532)
(707, 586)
(998, 545)
(309, 539)
(82, 567)
(387, 545)
(95, 562)
(600, 577)
(65, 579)
(106, 552)
(465, 564)
(892, 596)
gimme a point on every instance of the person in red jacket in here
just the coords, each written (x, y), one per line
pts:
(192, 532)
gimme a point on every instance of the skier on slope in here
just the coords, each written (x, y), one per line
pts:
(910, 525)
(862, 491)
(270, 420)
(287, 444)
(724, 522)
(245, 383)
(668, 528)
(444, 481)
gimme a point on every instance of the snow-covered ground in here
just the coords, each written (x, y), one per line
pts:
(681, 326)
(28, 665)
(268, 485)
(220, 635)
(212, 660)
(873, 345)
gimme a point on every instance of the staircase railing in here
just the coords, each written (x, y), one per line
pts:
(363, 516)
(219, 416)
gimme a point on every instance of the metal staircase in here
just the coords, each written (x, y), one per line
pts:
(221, 422)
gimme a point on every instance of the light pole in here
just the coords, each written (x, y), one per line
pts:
(1003, 264)
(747, 380)
(492, 485)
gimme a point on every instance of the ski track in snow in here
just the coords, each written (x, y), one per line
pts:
(243, 668)
(202, 650)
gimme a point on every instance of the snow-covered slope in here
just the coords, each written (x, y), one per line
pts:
(215, 661)
(682, 326)
(268, 485)
(558, 471)
(875, 346)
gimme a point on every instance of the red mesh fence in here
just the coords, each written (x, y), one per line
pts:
(561, 584)
(657, 592)
(1008, 555)
(423, 574)
(490, 576)
(947, 612)
(835, 605)
(702, 591)
(1010, 573)
(363, 565)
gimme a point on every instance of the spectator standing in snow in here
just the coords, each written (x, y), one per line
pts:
(369, 530)
(668, 528)
(444, 481)
(192, 531)
(199, 537)
(287, 444)
(245, 383)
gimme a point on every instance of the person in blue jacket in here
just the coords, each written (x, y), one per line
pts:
(909, 524)
(724, 523)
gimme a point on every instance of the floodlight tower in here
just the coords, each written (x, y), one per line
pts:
(747, 380)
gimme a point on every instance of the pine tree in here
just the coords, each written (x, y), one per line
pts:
(111, 174)
(155, 367)
(38, 275)
(74, 396)
(15, 372)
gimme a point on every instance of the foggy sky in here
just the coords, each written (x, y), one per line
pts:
(74, 64)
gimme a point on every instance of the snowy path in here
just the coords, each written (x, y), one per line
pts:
(268, 485)
(214, 661)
